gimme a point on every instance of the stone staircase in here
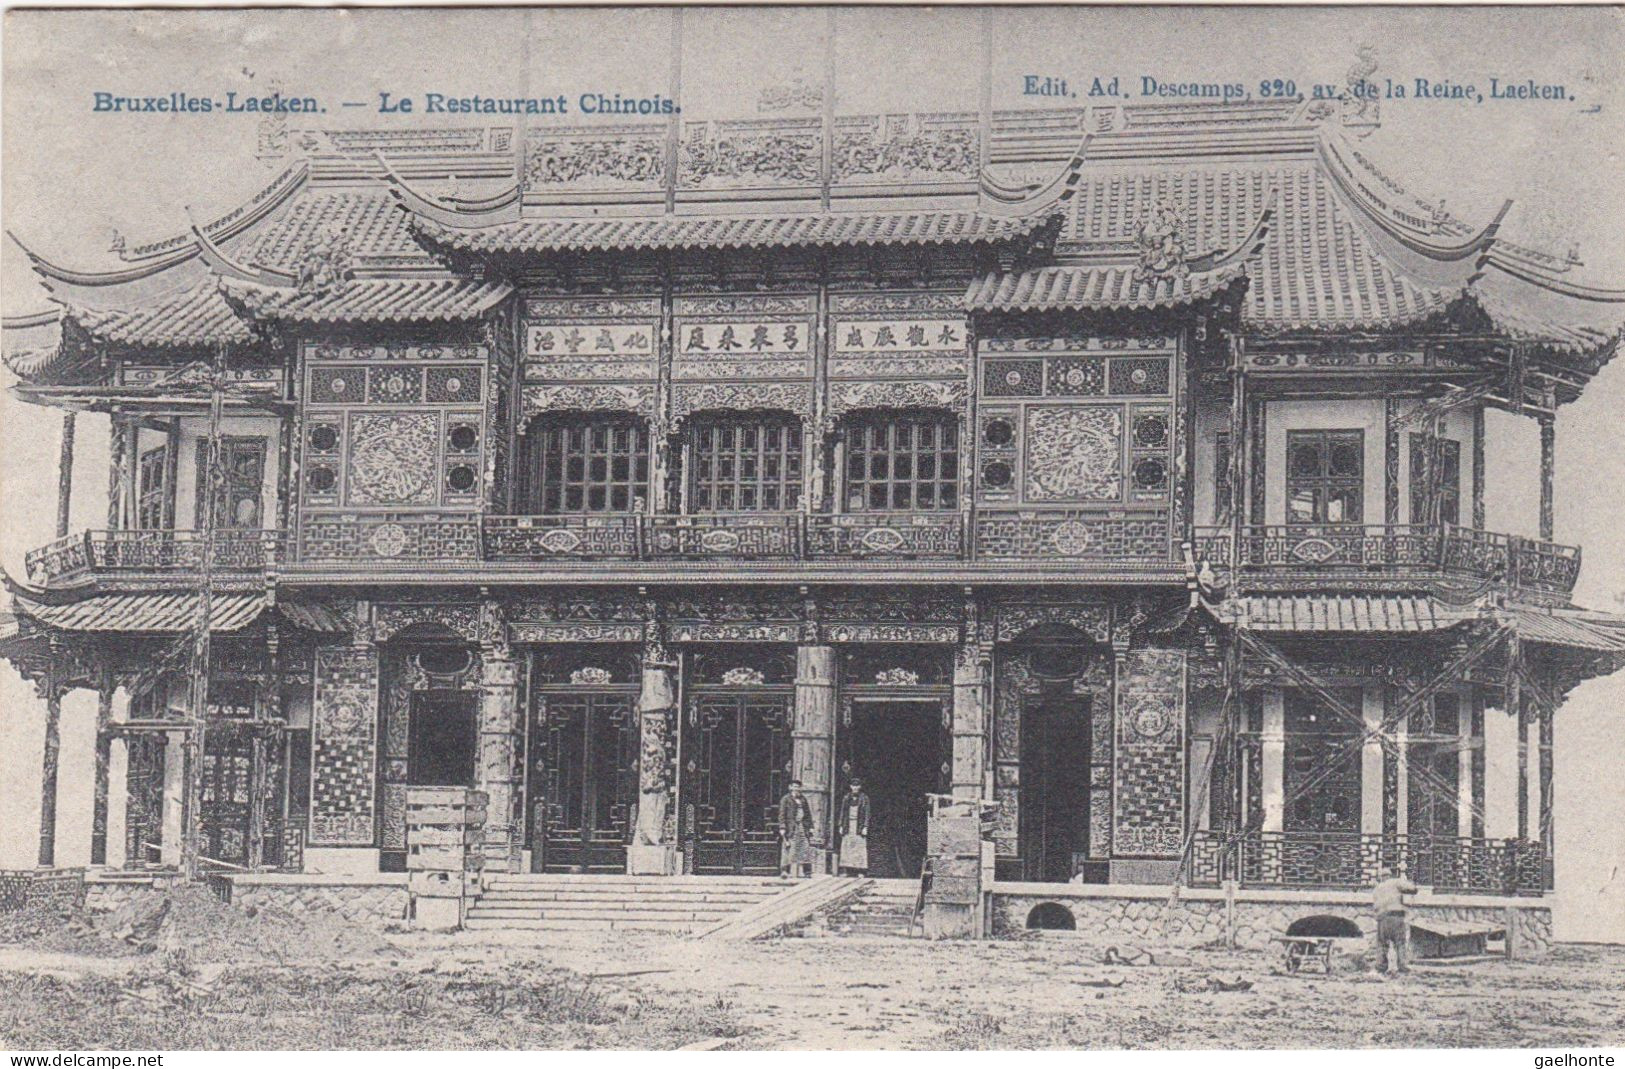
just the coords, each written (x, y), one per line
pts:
(677, 904)
(884, 908)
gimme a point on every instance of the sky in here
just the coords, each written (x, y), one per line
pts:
(71, 177)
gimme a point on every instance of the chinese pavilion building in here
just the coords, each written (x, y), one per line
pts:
(1124, 466)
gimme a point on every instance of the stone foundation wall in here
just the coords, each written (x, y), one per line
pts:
(1143, 916)
(375, 900)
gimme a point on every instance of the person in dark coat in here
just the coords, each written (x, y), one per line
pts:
(795, 833)
(853, 824)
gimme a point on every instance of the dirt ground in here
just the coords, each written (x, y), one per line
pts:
(493, 990)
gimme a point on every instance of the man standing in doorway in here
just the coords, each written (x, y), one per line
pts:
(795, 833)
(1388, 898)
(853, 824)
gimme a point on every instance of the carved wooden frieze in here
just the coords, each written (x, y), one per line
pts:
(877, 149)
(641, 398)
(462, 620)
(596, 159)
(1093, 620)
(750, 153)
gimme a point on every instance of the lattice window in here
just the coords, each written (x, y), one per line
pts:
(588, 464)
(744, 464)
(1322, 774)
(902, 462)
(1446, 481)
(1325, 476)
(152, 489)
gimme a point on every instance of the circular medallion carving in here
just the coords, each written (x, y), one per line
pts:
(1151, 719)
(1071, 538)
(388, 540)
(344, 719)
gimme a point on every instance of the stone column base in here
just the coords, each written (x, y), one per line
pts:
(658, 860)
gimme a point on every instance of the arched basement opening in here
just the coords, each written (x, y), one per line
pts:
(1051, 917)
(1325, 926)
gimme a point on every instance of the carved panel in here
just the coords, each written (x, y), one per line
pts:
(393, 458)
(1074, 453)
(1149, 772)
(744, 154)
(688, 398)
(1018, 618)
(592, 159)
(344, 726)
(905, 148)
(850, 396)
(640, 398)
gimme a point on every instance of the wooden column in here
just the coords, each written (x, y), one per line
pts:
(118, 445)
(104, 756)
(1478, 468)
(970, 718)
(1515, 709)
(812, 733)
(172, 464)
(48, 773)
(499, 773)
(1273, 760)
(1548, 458)
(1478, 766)
(653, 851)
(64, 476)
(1545, 777)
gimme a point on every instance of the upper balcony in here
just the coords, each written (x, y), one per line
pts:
(1079, 545)
(150, 555)
(1355, 554)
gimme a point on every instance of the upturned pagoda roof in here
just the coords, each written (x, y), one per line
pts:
(1271, 202)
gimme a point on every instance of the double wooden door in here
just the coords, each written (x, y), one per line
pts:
(736, 759)
(587, 761)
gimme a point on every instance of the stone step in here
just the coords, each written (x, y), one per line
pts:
(575, 925)
(527, 894)
(686, 918)
(562, 908)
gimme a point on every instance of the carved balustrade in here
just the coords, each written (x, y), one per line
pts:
(236, 551)
(906, 535)
(1338, 551)
(578, 537)
(730, 536)
(1350, 860)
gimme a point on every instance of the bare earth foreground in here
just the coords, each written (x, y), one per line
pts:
(263, 983)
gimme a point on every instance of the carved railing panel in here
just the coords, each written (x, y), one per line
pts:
(769, 536)
(151, 551)
(1419, 548)
(1337, 860)
(561, 537)
(917, 535)
(1072, 534)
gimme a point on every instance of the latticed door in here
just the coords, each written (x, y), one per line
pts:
(226, 796)
(589, 779)
(737, 756)
(144, 811)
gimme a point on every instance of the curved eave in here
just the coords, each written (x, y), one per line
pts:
(151, 259)
(1084, 289)
(467, 213)
(372, 301)
(1524, 271)
(675, 232)
(1424, 241)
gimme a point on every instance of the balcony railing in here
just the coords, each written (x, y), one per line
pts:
(583, 537)
(1396, 549)
(1348, 860)
(236, 551)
